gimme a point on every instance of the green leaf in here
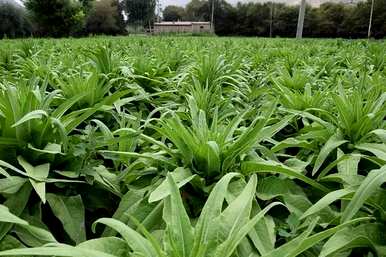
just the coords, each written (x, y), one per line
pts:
(303, 242)
(179, 232)
(16, 204)
(372, 182)
(334, 142)
(38, 114)
(10, 242)
(48, 149)
(227, 248)
(318, 237)
(110, 245)
(263, 234)
(7, 216)
(34, 236)
(378, 150)
(62, 250)
(364, 235)
(129, 201)
(11, 185)
(136, 241)
(276, 167)
(212, 209)
(326, 201)
(381, 134)
(181, 176)
(292, 142)
(37, 176)
(70, 212)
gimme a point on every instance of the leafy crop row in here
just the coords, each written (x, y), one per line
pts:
(192, 147)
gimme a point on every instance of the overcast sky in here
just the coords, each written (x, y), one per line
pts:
(184, 2)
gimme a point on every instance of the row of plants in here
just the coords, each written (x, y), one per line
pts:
(192, 147)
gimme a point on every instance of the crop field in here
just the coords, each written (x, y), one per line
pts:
(192, 147)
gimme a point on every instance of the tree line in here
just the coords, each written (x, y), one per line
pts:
(61, 18)
(277, 19)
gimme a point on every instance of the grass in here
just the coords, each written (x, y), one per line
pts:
(192, 147)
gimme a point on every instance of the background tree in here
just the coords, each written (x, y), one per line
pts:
(198, 10)
(174, 13)
(57, 18)
(224, 15)
(140, 12)
(87, 5)
(13, 21)
(330, 17)
(104, 18)
(285, 21)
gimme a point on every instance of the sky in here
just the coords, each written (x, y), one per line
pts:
(184, 2)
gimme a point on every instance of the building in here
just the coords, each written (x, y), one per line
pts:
(181, 27)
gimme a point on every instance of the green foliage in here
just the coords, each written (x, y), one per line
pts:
(140, 12)
(192, 147)
(330, 19)
(173, 13)
(103, 18)
(14, 21)
(56, 18)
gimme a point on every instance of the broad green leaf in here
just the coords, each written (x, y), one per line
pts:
(334, 142)
(381, 133)
(364, 235)
(154, 157)
(10, 242)
(38, 114)
(227, 248)
(12, 184)
(292, 142)
(213, 157)
(286, 249)
(378, 150)
(238, 211)
(179, 232)
(70, 212)
(9, 166)
(326, 201)
(263, 234)
(372, 182)
(180, 175)
(7, 216)
(129, 201)
(348, 166)
(318, 237)
(48, 149)
(136, 241)
(243, 144)
(62, 250)
(212, 209)
(276, 167)
(305, 241)
(110, 245)
(34, 236)
(65, 106)
(37, 176)
(16, 204)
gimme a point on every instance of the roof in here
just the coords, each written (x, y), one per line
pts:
(181, 23)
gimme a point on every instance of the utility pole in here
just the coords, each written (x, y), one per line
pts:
(212, 18)
(302, 11)
(371, 19)
(271, 21)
